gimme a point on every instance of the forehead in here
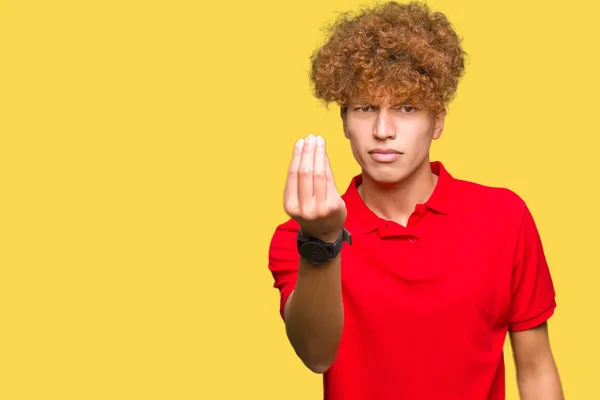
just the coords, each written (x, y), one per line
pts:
(387, 102)
(381, 98)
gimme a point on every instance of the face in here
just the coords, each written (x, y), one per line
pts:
(391, 142)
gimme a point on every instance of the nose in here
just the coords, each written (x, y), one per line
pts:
(385, 127)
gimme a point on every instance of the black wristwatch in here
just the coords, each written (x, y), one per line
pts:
(317, 251)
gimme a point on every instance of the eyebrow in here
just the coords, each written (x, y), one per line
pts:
(363, 103)
(395, 105)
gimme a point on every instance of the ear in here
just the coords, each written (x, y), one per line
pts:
(440, 118)
(343, 111)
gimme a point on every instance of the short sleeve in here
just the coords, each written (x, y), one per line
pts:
(533, 295)
(284, 259)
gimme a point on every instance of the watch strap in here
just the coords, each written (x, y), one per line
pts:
(317, 251)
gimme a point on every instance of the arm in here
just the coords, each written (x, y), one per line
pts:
(537, 373)
(314, 314)
(533, 303)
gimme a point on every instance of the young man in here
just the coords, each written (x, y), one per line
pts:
(406, 286)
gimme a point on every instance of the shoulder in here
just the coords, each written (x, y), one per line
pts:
(284, 236)
(473, 193)
(289, 226)
(493, 204)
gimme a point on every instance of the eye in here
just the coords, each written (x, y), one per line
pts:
(407, 109)
(364, 108)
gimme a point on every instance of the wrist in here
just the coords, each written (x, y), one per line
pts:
(324, 247)
(327, 237)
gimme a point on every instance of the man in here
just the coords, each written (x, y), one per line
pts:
(407, 285)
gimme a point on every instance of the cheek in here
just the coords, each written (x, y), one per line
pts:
(417, 148)
(359, 146)
(356, 138)
(419, 137)
(355, 146)
(423, 141)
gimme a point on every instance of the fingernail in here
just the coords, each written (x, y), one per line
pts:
(320, 141)
(299, 142)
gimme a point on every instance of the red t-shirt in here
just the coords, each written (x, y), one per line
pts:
(427, 307)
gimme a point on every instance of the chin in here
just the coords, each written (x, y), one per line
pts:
(389, 176)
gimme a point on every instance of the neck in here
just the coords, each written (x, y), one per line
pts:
(396, 202)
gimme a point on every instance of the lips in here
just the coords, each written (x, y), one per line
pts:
(385, 151)
(385, 155)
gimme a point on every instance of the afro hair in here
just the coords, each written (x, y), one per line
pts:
(404, 53)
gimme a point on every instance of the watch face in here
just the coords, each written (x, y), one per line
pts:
(314, 252)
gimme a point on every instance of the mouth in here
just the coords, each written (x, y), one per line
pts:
(385, 155)
(385, 151)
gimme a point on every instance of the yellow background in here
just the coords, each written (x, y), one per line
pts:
(143, 154)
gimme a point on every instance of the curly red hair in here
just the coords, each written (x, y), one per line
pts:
(401, 52)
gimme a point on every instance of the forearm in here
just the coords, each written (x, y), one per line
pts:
(540, 385)
(314, 314)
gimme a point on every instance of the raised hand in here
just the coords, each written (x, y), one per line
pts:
(311, 197)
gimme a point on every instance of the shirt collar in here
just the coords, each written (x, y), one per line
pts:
(362, 219)
(441, 198)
